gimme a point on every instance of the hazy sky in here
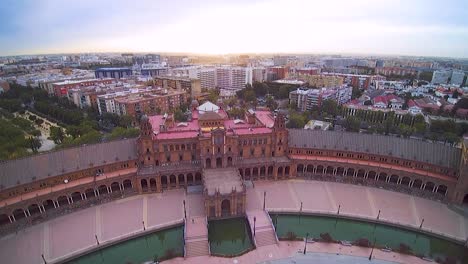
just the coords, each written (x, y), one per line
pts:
(406, 27)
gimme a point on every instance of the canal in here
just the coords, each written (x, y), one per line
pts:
(229, 237)
(159, 245)
(292, 226)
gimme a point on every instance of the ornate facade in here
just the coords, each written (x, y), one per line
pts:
(219, 156)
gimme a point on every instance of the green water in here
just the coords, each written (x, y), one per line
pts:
(229, 237)
(351, 230)
(161, 244)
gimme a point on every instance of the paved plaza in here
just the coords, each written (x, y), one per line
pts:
(75, 232)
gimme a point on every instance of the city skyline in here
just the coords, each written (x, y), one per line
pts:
(419, 28)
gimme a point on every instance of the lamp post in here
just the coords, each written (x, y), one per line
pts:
(185, 212)
(264, 195)
(305, 243)
(372, 250)
(255, 220)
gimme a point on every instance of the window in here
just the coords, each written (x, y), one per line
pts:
(180, 157)
(241, 153)
(252, 152)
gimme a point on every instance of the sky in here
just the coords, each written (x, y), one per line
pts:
(387, 27)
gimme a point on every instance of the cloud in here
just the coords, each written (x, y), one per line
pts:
(396, 27)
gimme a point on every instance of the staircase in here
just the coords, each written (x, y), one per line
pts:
(196, 237)
(264, 233)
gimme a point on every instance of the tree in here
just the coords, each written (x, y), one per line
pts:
(296, 120)
(249, 96)
(426, 76)
(352, 124)
(330, 107)
(125, 121)
(236, 112)
(34, 144)
(283, 92)
(57, 134)
(271, 103)
(179, 116)
(356, 93)
(120, 132)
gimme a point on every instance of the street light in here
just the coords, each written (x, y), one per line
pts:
(255, 220)
(305, 243)
(372, 250)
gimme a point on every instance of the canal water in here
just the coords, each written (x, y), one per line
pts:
(162, 244)
(229, 237)
(383, 235)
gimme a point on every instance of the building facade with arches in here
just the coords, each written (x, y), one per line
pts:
(170, 154)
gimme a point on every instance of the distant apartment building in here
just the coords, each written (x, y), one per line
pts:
(207, 78)
(188, 85)
(457, 77)
(60, 89)
(398, 71)
(115, 73)
(441, 77)
(306, 99)
(280, 60)
(277, 73)
(150, 103)
(321, 80)
(259, 74)
(186, 71)
(233, 78)
(310, 71)
(152, 69)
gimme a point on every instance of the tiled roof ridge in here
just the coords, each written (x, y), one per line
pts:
(65, 149)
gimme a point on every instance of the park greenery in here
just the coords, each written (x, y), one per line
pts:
(18, 136)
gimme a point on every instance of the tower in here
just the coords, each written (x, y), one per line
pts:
(280, 138)
(145, 142)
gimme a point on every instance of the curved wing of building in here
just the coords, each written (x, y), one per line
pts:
(402, 148)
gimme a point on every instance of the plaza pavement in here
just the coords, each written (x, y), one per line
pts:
(75, 233)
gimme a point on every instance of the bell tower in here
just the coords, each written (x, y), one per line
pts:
(145, 142)
(280, 139)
